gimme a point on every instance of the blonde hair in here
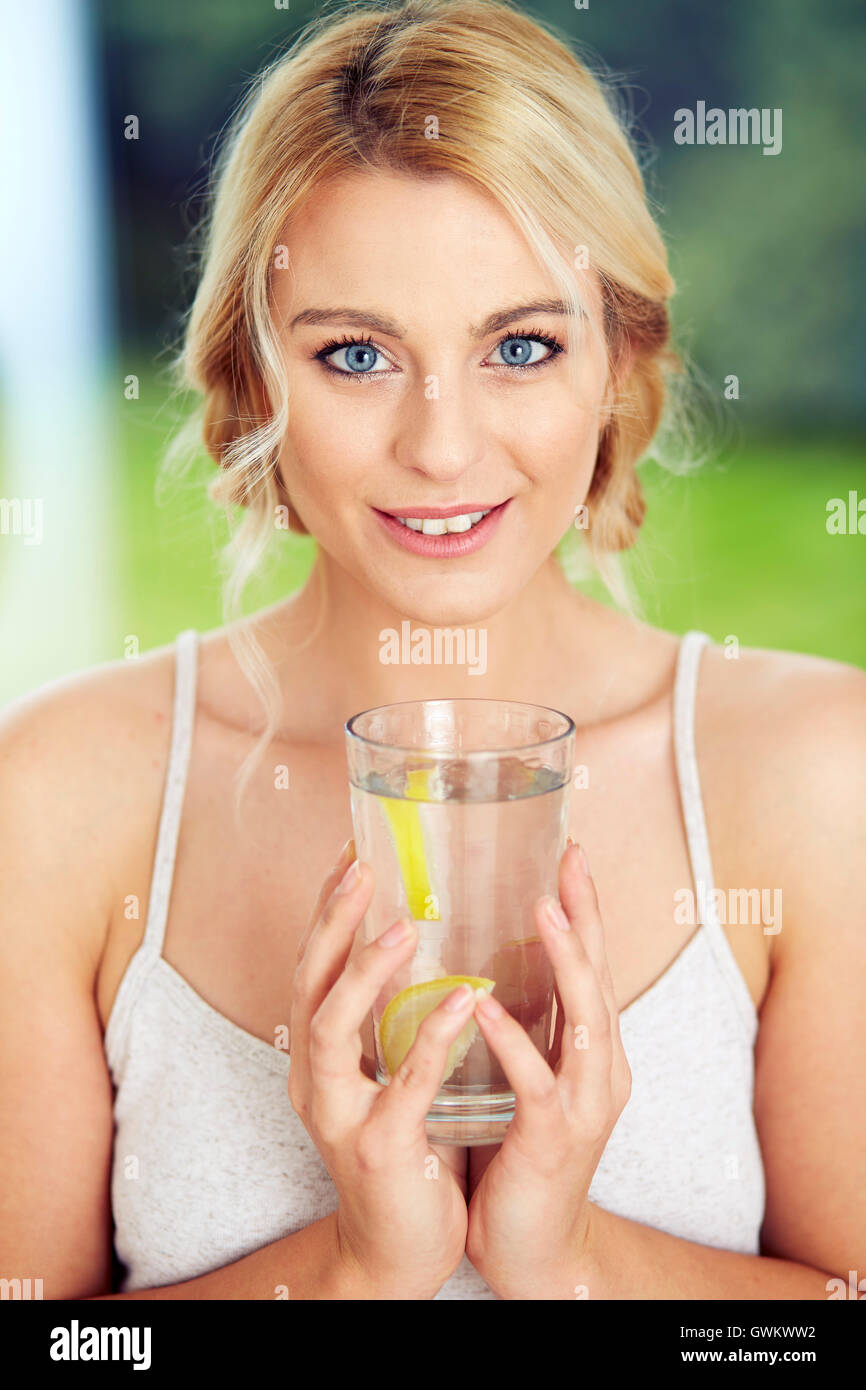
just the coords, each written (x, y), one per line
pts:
(355, 91)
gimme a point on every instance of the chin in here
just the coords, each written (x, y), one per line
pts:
(466, 609)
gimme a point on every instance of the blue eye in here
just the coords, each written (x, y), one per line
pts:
(360, 355)
(517, 349)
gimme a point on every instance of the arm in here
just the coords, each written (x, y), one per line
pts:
(626, 1260)
(795, 779)
(55, 1091)
(308, 1264)
(61, 815)
(808, 819)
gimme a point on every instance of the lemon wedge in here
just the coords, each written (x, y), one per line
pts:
(407, 1010)
(405, 825)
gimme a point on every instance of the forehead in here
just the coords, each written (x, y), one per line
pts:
(410, 243)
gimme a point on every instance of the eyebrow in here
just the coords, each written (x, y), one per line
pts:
(369, 318)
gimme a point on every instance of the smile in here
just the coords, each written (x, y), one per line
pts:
(439, 525)
(447, 531)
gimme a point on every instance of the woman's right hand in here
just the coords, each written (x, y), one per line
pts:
(401, 1219)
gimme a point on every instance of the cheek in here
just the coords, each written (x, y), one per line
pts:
(328, 453)
(553, 425)
(559, 437)
(550, 431)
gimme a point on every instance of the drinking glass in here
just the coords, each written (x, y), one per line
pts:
(460, 807)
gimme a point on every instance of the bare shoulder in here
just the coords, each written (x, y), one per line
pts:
(776, 710)
(82, 760)
(782, 737)
(92, 719)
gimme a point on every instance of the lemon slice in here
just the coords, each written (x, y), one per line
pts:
(405, 825)
(405, 1013)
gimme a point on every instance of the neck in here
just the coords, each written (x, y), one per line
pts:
(361, 652)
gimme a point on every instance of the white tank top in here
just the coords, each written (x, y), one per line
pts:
(210, 1161)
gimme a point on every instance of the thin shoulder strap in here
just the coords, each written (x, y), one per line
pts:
(186, 651)
(685, 692)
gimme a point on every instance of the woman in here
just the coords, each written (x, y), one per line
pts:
(431, 288)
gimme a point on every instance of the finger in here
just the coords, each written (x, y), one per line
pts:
(579, 899)
(586, 1044)
(337, 1021)
(559, 1011)
(558, 1029)
(403, 1105)
(323, 960)
(335, 1046)
(538, 1109)
(343, 860)
(331, 938)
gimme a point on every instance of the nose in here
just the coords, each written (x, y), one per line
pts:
(442, 434)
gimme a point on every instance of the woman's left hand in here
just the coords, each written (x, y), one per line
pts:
(530, 1219)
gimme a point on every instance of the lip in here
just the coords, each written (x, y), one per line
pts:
(447, 546)
(439, 513)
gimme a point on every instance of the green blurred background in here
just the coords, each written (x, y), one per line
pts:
(765, 251)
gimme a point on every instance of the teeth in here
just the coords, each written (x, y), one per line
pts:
(440, 526)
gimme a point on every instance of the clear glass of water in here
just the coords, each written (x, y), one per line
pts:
(460, 807)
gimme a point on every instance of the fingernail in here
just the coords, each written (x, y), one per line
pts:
(569, 842)
(350, 878)
(350, 844)
(555, 915)
(583, 863)
(394, 935)
(458, 999)
(487, 1005)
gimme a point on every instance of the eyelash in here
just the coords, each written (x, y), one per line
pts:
(532, 335)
